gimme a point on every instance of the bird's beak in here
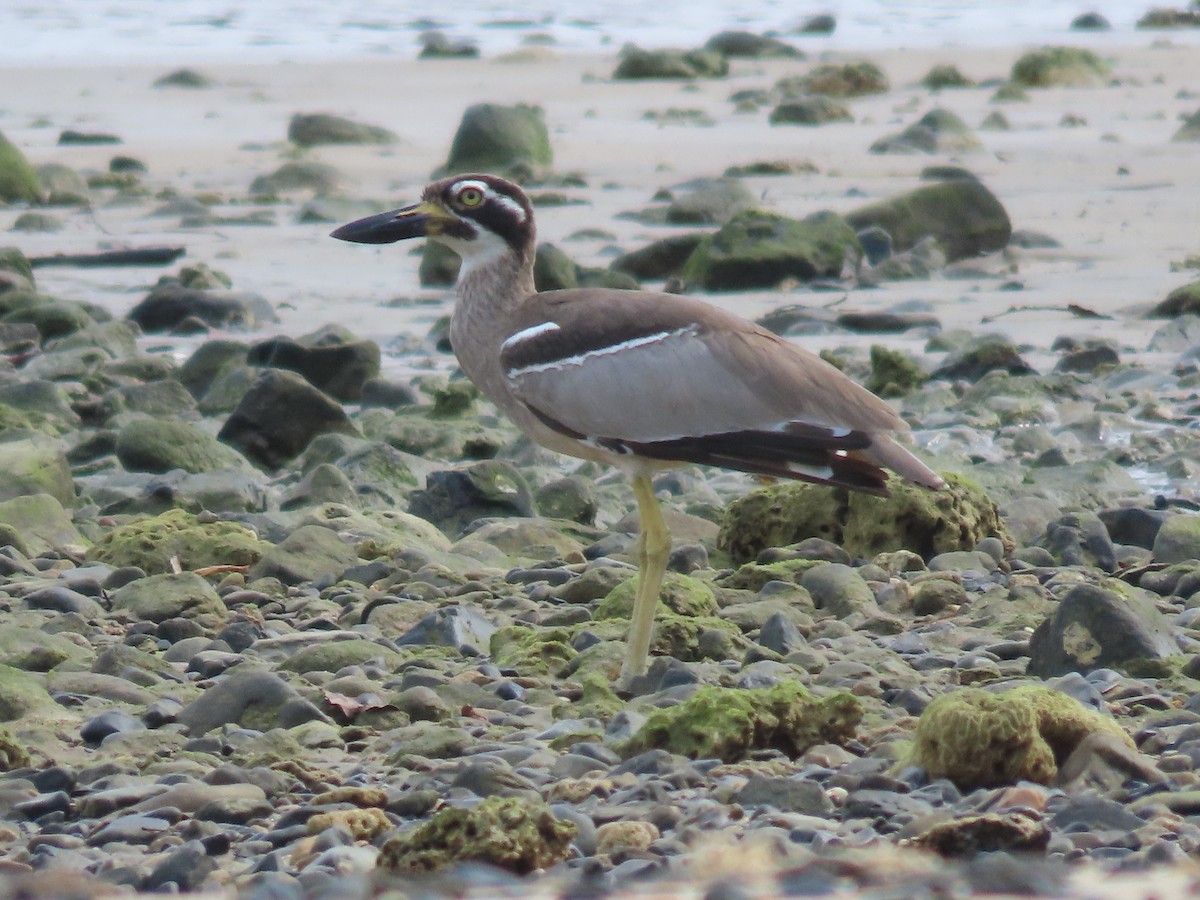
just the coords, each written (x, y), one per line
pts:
(419, 220)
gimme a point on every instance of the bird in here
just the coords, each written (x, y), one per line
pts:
(639, 380)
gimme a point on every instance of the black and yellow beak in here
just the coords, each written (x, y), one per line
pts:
(419, 220)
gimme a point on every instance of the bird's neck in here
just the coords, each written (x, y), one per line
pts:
(492, 288)
(491, 291)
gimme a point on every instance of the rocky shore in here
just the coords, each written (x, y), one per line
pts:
(289, 611)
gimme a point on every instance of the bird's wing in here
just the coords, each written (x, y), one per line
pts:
(668, 377)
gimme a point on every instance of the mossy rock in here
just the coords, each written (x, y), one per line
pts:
(519, 835)
(298, 175)
(509, 140)
(1060, 67)
(818, 109)
(332, 656)
(638, 64)
(34, 464)
(912, 518)
(41, 524)
(845, 80)
(964, 216)
(62, 185)
(18, 180)
(533, 651)
(13, 260)
(22, 693)
(752, 576)
(157, 598)
(680, 594)
(732, 723)
(160, 445)
(151, 543)
(53, 318)
(1189, 132)
(311, 130)
(13, 753)
(34, 650)
(757, 249)
(978, 738)
(553, 269)
(893, 374)
(308, 553)
(1183, 301)
(945, 76)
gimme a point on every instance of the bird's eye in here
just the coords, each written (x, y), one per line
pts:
(470, 196)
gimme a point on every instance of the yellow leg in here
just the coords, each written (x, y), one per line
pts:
(654, 546)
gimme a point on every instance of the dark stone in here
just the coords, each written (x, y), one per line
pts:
(938, 131)
(554, 270)
(453, 626)
(208, 362)
(822, 23)
(982, 355)
(659, 261)
(886, 322)
(1088, 359)
(964, 216)
(1090, 21)
(184, 78)
(1080, 539)
(780, 634)
(170, 303)
(438, 45)
(381, 392)
(815, 110)
(748, 44)
(1182, 301)
(71, 137)
(112, 721)
(793, 795)
(251, 698)
(186, 868)
(453, 498)
(1094, 628)
(876, 244)
(339, 369)
(278, 416)
(1133, 525)
(319, 128)
(637, 63)
(297, 175)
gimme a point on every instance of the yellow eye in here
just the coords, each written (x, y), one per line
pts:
(470, 196)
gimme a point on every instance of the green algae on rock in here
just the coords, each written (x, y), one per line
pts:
(39, 523)
(680, 594)
(912, 518)
(979, 738)
(151, 543)
(519, 835)
(532, 651)
(1060, 67)
(757, 249)
(893, 374)
(18, 180)
(731, 723)
(507, 140)
(157, 598)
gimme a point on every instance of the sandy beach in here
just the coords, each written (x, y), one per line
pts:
(1114, 191)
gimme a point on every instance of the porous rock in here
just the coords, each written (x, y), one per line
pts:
(152, 543)
(979, 738)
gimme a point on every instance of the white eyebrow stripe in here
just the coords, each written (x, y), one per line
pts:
(527, 334)
(510, 204)
(581, 358)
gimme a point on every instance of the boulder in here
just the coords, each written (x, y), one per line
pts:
(307, 554)
(757, 249)
(941, 77)
(160, 445)
(912, 518)
(184, 78)
(1189, 131)
(753, 46)
(1090, 21)
(315, 129)
(157, 598)
(1183, 301)
(1097, 627)
(817, 109)
(18, 180)
(637, 63)
(1178, 539)
(659, 260)
(169, 304)
(39, 523)
(454, 498)
(332, 363)
(299, 175)
(964, 216)
(35, 464)
(154, 544)
(986, 353)
(1060, 67)
(62, 185)
(278, 416)
(938, 131)
(508, 140)
(1161, 17)
(845, 80)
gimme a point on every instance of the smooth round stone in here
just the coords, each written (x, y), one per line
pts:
(135, 828)
(110, 722)
(64, 600)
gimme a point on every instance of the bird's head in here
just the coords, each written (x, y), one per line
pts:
(479, 217)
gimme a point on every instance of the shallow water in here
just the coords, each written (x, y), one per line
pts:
(63, 31)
